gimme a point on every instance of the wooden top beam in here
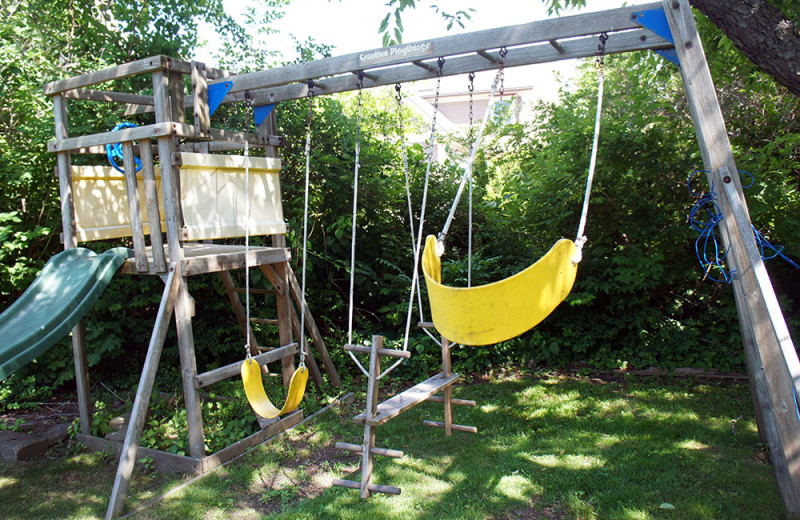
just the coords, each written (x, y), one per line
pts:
(632, 40)
(542, 31)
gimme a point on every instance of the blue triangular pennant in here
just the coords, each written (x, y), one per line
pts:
(260, 113)
(216, 93)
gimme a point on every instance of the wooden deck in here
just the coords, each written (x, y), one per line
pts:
(211, 258)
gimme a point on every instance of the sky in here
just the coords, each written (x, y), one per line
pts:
(352, 26)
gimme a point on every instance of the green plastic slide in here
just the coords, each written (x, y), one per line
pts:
(55, 302)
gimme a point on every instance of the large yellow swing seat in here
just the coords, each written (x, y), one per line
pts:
(257, 396)
(488, 314)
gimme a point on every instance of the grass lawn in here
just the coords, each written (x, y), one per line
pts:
(549, 446)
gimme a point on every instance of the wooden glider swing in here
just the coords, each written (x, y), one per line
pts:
(464, 315)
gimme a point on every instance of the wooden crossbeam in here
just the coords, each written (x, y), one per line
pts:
(222, 373)
(357, 448)
(457, 427)
(404, 354)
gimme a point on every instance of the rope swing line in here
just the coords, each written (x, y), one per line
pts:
(302, 304)
(353, 225)
(501, 310)
(251, 370)
(580, 238)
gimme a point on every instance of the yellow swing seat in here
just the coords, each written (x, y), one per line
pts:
(257, 396)
(495, 312)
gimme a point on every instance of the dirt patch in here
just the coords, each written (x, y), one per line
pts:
(35, 422)
(533, 512)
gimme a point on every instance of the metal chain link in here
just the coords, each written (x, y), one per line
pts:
(501, 71)
(471, 89)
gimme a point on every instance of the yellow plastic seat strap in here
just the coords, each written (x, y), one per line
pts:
(257, 396)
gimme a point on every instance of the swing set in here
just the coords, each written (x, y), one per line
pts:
(200, 194)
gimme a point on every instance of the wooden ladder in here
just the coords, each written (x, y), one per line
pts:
(377, 414)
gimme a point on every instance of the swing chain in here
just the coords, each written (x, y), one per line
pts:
(601, 51)
(248, 99)
(440, 63)
(471, 89)
(310, 96)
(399, 95)
(501, 73)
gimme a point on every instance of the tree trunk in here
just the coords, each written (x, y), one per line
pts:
(762, 32)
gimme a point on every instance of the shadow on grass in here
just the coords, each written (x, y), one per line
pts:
(547, 447)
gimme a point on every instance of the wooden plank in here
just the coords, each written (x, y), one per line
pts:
(233, 369)
(64, 174)
(151, 202)
(202, 117)
(84, 391)
(456, 427)
(271, 430)
(132, 191)
(633, 40)
(368, 443)
(382, 352)
(373, 488)
(265, 321)
(357, 448)
(762, 325)
(111, 97)
(448, 390)
(183, 315)
(101, 76)
(284, 320)
(118, 136)
(404, 400)
(238, 310)
(164, 462)
(230, 261)
(541, 31)
(131, 445)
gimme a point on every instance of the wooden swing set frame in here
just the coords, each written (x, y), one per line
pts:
(772, 362)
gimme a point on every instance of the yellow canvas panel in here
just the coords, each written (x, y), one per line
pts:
(499, 311)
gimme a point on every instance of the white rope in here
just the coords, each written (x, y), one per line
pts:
(580, 238)
(248, 332)
(418, 246)
(353, 237)
(473, 152)
(305, 238)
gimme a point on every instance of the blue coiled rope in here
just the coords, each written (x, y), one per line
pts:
(704, 218)
(114, 151)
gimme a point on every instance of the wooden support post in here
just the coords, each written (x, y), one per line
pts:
(79, 353)
(367, 456)
(134, 213)
(771, 356)
(172, 216)
(153, 211)
(448, 390)
(202, 119)
(127, 459)
(285, 320)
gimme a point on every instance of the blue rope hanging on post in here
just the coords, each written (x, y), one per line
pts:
(704, 218)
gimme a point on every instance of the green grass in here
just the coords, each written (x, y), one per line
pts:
(548, 446)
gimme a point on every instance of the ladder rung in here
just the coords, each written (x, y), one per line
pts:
(357, 448)
(268, 321)
(462, 402)
(382, 351)
(457, 427)
(390, 490)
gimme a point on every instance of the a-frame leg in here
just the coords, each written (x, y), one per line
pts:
(771, 356)
(131, 445)
(367, 458)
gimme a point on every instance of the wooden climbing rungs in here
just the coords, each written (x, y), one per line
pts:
(382, 351)
(377, 488)
(457, 427)
(404, 400)
(357, 448)
(461, 402)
